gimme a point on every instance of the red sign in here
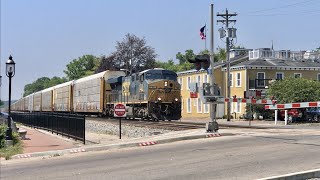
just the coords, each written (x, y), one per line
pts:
(119, 110)
(193, 95)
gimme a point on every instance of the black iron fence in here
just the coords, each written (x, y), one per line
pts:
(70, 125)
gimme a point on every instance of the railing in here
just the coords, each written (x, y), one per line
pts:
(259, 83)
(70, 125)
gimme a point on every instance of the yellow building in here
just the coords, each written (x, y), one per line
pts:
(245, 75)
(193, 107)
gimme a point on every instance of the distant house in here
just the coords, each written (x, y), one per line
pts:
(253, 72)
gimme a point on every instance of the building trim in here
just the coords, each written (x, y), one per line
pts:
(275, 68)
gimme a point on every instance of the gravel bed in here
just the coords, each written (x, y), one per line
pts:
(104, 127)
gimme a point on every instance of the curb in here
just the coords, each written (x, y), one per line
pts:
(111, 146)
(315, 173)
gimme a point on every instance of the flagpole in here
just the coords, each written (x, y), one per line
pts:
(205, 39)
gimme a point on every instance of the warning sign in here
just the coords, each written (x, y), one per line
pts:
(119, 110)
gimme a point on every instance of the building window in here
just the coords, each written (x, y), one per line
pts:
(188, 82)
(182, 105)
(251, 55)
(206, 108)
(205, 78)
(199, 81)
(297, 75)
(180, 82)
(256, 54)
(319, 77)
(199, 105)
(260, 79)
(238, 80)
(231, 81)
(188, 105)
(279, 75)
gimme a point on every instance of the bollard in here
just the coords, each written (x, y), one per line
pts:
(275, 117)
(285, 117)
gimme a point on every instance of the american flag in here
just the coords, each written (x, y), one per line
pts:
(202, 35)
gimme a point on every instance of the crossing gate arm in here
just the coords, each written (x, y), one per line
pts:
(293, 105)
(249, 101)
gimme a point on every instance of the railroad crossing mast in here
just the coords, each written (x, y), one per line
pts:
(209, 92)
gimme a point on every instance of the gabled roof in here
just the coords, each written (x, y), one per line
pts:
(279, 63)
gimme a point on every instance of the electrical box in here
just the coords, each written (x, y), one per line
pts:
(211, 94)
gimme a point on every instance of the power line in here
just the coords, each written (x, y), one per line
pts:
(281, 7)
(305, 12)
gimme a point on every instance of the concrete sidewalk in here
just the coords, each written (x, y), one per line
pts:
(37, 141)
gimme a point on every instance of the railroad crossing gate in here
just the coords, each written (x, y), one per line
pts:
(293, 105)
(119, 110)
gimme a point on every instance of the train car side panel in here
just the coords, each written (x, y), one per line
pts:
(61, 96)
(37, 101)
(46, 100)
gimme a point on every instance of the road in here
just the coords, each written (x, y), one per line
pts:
(250, 155)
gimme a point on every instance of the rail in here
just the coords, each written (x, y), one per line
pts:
(69, 125)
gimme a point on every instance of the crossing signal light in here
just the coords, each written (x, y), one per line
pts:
(201, 61)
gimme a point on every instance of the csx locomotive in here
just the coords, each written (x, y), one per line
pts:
(152, 94)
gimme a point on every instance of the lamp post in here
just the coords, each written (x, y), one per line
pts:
(10, 71)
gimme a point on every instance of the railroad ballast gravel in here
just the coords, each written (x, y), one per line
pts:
(105, 127)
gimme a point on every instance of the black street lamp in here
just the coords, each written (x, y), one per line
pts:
(10, 70)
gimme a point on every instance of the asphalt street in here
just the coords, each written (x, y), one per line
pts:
(251, 155)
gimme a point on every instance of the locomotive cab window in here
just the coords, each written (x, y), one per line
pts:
(141, 77)
(161, 75)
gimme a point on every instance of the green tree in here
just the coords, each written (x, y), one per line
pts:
(42, 83)
(221, 55)
(183, 58)
(292, 90)
(132, 53)
(81, 67)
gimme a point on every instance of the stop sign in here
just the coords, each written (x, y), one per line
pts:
(119, 110)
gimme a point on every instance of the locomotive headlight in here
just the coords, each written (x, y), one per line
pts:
(166, 83)
(159, 98)
(176, 99)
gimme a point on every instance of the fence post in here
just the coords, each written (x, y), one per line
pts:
(84, 129)
(275, 117)
(69, 132)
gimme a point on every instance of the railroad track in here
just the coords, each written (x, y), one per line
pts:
(168, 125)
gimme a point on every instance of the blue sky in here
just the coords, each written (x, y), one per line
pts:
(43, 36)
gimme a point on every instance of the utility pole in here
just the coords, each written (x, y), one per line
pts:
(230, 34)
(213, 106)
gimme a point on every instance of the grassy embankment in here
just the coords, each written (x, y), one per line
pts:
(7, 152)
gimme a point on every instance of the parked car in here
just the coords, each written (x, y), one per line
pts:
(293, 115)
(313, 114)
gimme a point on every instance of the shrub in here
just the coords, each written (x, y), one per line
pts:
(15, 137)
(3, 130)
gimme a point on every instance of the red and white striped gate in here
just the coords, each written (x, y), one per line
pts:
(250, 101)
(293, 105)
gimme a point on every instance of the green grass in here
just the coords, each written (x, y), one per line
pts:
(12, 150)
(7, 152)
